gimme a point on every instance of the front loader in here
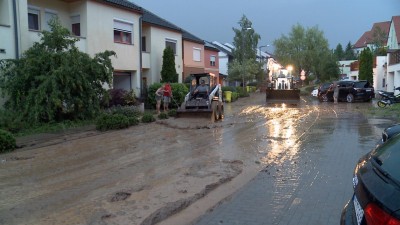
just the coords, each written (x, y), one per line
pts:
(202, 104)
(282, 90)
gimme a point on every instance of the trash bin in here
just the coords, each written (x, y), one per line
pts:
(228, 96)
(248, 89)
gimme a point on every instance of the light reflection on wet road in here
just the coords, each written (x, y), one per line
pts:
(309, 155)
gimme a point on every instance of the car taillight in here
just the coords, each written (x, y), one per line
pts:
(376, 216)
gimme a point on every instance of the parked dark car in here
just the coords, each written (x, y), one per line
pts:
(376, 183)
(350, 91)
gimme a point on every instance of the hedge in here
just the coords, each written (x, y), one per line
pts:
(7, 141)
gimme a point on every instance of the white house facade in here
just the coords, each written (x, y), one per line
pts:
(393, 56)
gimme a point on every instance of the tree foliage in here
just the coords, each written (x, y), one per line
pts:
(349, 53)
(366, 65)
(53, 80)
(339, 53)
(305, 49)
(331, 69)
(168, 71)
(245, 66)
(378, 40)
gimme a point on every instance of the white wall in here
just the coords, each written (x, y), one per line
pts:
(7, 42)
(223, 62)
(157, 46)
(379, 73)
(100, 34)
(392, 39)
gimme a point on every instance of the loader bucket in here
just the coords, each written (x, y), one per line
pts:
(189, 113)
(283, 96)
(214, 113)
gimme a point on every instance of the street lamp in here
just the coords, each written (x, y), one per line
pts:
(290, 68)
(243, 53)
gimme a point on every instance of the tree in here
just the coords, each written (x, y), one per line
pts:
(331, 69)
(244, 66)
(53, 80)
(378, 40)
(339, 53)
(168, 71)
(366, 65)
(349, 53)
(305, 49)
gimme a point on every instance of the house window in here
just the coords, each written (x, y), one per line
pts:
(123, 32)
(143, 44)
(76, 25)
(212, 60)
(4, 12)
(171, 43)
(33, 18)
(48, 17)
(196, 54)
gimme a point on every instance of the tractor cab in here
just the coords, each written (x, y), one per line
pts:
(201, 85)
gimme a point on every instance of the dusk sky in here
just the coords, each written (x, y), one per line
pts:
(212, 20)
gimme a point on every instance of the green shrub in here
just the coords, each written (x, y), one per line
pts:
(235, 96)
(229, 88)
(11, 121)
(112, 122)
(125, 110)
(133, 121)
(172, 113)
(7, 141)
(163, 116)
(148, 118)
(242, 92)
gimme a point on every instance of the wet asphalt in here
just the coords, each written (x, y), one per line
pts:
(310, 179)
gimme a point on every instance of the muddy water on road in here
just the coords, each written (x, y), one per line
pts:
(146, 173)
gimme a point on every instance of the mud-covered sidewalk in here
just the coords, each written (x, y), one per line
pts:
(143, 174)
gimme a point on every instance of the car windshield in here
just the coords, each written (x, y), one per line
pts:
(388, 157)
(325, 86)
(361, 84)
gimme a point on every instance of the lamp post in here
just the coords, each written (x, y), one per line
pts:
(243, 52)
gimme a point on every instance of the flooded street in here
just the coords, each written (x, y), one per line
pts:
(172, 171)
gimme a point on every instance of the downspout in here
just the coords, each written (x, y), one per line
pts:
(16, 29)
(140, 57)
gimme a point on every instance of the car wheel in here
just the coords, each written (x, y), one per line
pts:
(350, 98)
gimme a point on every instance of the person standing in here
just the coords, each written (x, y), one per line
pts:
(159, 95)
(335, 92)
(167, 96)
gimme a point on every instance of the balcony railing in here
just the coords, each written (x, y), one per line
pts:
(394, 57)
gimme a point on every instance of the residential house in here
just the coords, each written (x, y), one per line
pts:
(99, 26)
(344, 66)
(369, 38)
(193, 54)
(393, 57)
(211, 61)
(384, 71)
(157, 34)
(225, 56)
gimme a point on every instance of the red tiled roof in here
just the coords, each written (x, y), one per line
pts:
(364, 39)
(396, 23)
(367, 37)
